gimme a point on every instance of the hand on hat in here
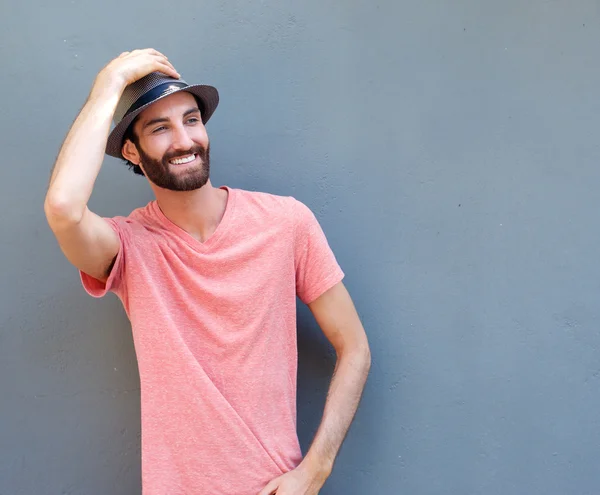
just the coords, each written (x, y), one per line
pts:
(131, 66)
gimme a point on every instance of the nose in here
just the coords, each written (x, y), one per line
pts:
(181, 139)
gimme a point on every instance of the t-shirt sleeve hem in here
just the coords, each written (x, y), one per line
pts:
(97, 288)
(317, 291)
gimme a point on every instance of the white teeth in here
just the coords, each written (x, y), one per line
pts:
(181, 161)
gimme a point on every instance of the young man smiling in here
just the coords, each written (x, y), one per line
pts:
(208, 277)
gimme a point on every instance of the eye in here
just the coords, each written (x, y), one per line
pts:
(158, 129)
(193, 120)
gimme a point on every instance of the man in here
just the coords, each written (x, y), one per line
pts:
(208, 277)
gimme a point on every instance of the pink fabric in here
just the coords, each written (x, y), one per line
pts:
(214, 326)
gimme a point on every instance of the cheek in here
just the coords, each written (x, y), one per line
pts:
(199, 135)
(156, 146)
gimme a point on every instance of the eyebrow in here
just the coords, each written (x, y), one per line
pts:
(160, 120)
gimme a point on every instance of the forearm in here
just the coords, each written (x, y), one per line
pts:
(82, 153)
(344, 395)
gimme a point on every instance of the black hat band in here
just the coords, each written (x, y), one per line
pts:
(155, 93)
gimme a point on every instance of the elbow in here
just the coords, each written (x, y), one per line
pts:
(366, 353)
(61, 211)
(360, 357)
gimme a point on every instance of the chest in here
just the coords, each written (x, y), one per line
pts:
(259, 265)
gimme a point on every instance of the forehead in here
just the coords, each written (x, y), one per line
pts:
(170, 106)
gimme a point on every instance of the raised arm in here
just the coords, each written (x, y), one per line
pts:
(85, 238)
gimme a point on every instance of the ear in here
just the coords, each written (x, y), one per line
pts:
(130, 152)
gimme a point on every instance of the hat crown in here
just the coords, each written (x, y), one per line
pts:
(139, 88)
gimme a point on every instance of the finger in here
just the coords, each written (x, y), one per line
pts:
(169, 65)
(270, 488)
(168, 70)
(152, 51)
(172, 67)
(163, 60)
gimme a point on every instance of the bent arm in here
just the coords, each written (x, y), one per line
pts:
(86, 239)
(336, 315)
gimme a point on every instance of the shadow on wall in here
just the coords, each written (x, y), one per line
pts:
(316, 362)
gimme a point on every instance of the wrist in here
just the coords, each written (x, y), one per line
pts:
(318, 466)
(107, 87)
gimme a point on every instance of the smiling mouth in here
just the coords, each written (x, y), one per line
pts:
(183, 160)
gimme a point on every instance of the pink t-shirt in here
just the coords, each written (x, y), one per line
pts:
(214, 327)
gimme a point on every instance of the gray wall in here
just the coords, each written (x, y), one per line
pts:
(449, 150)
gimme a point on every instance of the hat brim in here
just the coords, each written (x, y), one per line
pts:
(208, 95)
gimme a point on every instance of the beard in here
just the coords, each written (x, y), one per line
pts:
(159, 171)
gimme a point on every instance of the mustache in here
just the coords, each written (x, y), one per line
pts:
(194, 150)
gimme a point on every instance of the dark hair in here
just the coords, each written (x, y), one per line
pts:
(132, 136)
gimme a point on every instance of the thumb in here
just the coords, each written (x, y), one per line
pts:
(271, 488)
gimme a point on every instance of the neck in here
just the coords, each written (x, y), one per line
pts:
(198, 212)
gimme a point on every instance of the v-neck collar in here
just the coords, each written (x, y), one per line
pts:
(191, 240)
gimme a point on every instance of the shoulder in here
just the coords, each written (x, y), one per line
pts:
(263, 199)
(270, 201)
(140, 220)
(277, 210)
(267, 205)
(277, 213)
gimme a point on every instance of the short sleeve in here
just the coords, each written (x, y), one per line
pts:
(317, 269)
(115, 281)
